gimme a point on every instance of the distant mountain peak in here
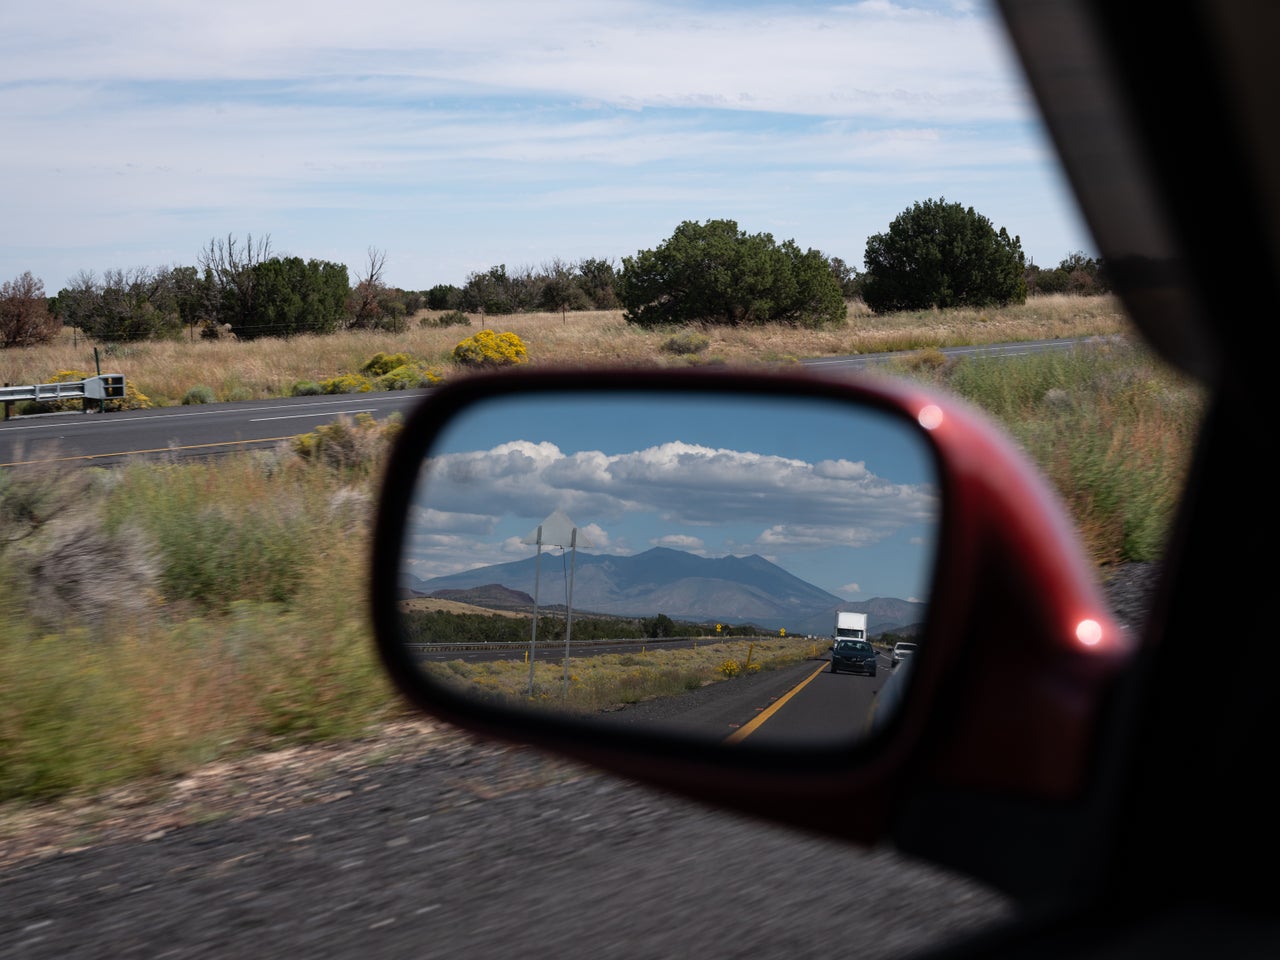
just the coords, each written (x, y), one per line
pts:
(682, 585)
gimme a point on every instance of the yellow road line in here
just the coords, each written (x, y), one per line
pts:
(747, 729)
(133, 453)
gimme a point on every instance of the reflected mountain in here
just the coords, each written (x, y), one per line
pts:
(737, 590)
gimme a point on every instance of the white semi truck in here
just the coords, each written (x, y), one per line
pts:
(850, 626)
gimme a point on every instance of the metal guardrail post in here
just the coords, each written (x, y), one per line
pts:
(103, 387)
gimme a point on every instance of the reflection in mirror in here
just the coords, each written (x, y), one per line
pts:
(675, 560)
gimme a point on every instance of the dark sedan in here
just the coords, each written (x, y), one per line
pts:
(855, 656)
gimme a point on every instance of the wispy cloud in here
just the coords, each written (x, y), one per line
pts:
(461, 136)
(792, 503)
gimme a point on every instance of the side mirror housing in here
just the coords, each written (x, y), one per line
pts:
(1016, 658)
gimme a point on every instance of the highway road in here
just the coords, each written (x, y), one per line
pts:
(985, 350)
(802, 704)
(445, 847)
(208, 430)
(820, 707)
(198, 430)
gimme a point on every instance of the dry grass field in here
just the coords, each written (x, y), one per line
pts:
(233, 370)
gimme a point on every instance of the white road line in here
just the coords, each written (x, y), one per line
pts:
(303, 416)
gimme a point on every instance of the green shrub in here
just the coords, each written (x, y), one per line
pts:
(305, 388)
(451, 318)
(408, 377)
(347, 444)
(489, 349)
(383, 363)
(940, 254)
(715, 273)
(198, 394)
(930, 358)
(687, 341)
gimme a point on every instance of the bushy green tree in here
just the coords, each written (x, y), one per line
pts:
(490, 292)
(1075, 274)
(715, 273)
(293, 296)
(129, 305)
(560, 290)
(659, 626)
(598, 280)
(940, 254)
(847, 277)
(444, 296)
(228, 270)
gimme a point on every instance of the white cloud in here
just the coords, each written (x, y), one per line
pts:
(799, 505)
(499, 131)
(865, 59)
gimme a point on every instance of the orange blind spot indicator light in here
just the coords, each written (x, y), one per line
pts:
(1089, 632)
(930, 416)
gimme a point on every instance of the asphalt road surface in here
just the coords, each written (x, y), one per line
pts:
(208, 430)
(197, 430)
(469, 850)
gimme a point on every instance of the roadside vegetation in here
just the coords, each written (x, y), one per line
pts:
(163, 614)
(165, 372)
(612, 681)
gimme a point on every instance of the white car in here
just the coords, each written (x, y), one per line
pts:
(900, 652)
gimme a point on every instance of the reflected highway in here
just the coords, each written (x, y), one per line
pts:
(800, 705)
(809, 711)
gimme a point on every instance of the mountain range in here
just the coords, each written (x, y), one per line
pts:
(738, 590)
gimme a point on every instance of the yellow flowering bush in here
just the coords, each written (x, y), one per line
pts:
(489, 349)
(347, 383)
(347, 444)
(383, 363)
(730, 668)
(409, 376)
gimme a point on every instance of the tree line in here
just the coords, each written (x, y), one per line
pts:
(933, 255)
(438, 626)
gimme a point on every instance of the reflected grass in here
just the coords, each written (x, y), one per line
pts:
(613, 681)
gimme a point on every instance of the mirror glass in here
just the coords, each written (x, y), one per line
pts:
(734, 567)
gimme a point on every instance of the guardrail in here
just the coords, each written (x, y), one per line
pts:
(103, 387)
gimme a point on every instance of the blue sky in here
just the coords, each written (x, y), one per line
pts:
(457, 136)
(848, 503)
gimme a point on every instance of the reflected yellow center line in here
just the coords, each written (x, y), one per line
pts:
(747, 729)
(134, 453)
